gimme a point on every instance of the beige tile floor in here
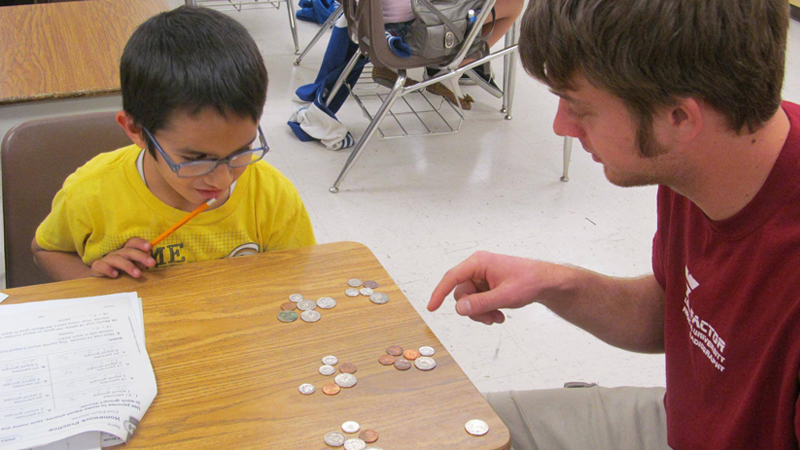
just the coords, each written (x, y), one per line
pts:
(423, 204)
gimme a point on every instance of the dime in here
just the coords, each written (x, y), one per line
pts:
(306, 305)
(372, 284)
(348, 368)
(425, 363)
(330, 360)
(296, 297)
(351, 427)
(411, 354)
(477, 427)
(379, 298)
(346, 380)
(288, 306)
(327, 370)
(334, 439)
(310, 316)
(366, 292)
(354, 444)
(394, 350)
(354, 282)
(307, 389)
(287, 316)
(368, 436)
(331, 389)
(352, 292)
(426, 351)
(386, 360)
(326, 303)
(402, 364)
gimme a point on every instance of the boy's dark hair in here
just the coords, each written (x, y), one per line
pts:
(188, 59)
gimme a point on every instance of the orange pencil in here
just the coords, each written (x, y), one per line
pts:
(182, 222)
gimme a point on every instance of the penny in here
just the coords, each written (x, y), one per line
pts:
(335, 439)
(369, 436)
(288, 306)
(346, 380)
(394, 350)
(386, 360)
(331, 389)
(327, 370)
(379, 298)
(326, 303)
(330, 360)
(425, 363)
(350, 427)
(354, 282)
(366, 292)
(348, 368)
(372, 284)
(296, 297)
(352, 292)
(287, 316)
(310, 316)
(411, 354)
(477, 427)
(306, 305)
(307, 389)
(354, 444)
(426, 351)
(402, 364)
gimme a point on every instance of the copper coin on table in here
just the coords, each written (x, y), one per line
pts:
(372, 284)
(411, 354)
(348, 368)
(331, 389)
(386, 360)
(394, 350)
(368, 436)
(402, 364)
(288, 306)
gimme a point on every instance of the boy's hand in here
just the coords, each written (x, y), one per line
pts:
(132, 259)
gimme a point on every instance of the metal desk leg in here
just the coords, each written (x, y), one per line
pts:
(567, 156)
(342, 78)
(325, 27)
(293, 25)
(510, 70)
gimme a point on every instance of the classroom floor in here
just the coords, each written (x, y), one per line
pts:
(423, 204)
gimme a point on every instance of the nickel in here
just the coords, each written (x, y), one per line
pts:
(346, 380)
(425, 363)
(309, 316)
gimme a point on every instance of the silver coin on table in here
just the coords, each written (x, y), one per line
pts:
(379, 298)
(354, 444)
(477, 427)
(354, 282)
(425, 363)
(287, 316)
(296, 297)
(352, 292)
(351, 427)
(335, 439)
(426, 351)
(327, 370)
(307, 389)
(366, 292)
(306, 305)
(310, 316)
(330, 360)
(326, 303)
(346, 380)
(372, 284)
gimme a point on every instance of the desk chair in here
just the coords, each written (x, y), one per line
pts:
(36, 157)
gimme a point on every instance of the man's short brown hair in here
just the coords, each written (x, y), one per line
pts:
(727, 53)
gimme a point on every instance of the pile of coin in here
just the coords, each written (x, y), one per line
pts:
(368, 290)
(401, 359)
(308, 308)
(345, 379)
(338, 439)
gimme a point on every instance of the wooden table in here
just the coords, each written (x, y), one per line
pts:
(228, 371)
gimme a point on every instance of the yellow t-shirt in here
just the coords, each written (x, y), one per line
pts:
(105, 203)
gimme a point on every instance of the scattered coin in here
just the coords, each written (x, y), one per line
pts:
(310, 316)
(425, 363)
(330, 360)
(331, 389)
(379, 298)
(334, 439)
(369, 436)
(386, 360)
(346, 380)
(352, 292)
(327, 370)
(348, 368)
(287, 316)
(307, 389)
(354, 282)
(477, 427)
(326, 303)
(411, 354)
(394, 350)
(306, 305)
(296, 297)
(351, 427)
(426, 351)
(288, 306)
(355, 444)
(402, 364)
(372, 284)
(366, 292)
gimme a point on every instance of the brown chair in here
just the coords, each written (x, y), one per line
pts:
(36, 157)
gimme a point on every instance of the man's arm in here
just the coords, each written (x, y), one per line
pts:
(132, 259)
(624, 312)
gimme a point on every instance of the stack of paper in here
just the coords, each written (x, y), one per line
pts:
(72, 370)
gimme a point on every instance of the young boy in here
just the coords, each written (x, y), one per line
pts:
(193, 90)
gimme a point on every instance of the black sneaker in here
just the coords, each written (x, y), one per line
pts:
(485, 72)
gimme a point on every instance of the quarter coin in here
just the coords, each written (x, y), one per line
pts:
(411, 354)
(366, 292)
(426, 351)
(477, 427)
(372, 284)
(346, 380)
(334, 439)
(352, 292)
(379, 298)
(287, 316)
(354, 282)
(386, 360)
(348, 368)
(394, 350)
(354, 444)
(310, 316)
(369, 436)
(288, 306)
(351, 427)
(330, 360)
(425, 363)
(306, 305)
(327, 370)
(331, 389)
(307, 389)
(402, 364)
(296, 297)
(326, 303)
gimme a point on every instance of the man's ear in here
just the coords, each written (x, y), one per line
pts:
(686, 119)
(133, 130)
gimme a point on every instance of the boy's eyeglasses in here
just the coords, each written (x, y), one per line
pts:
(204, 166)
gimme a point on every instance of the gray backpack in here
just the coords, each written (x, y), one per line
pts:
(441, 26)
